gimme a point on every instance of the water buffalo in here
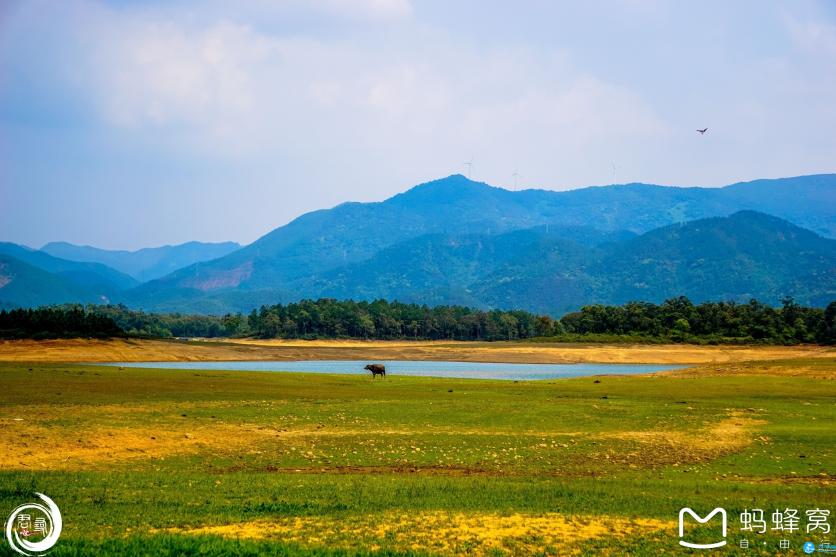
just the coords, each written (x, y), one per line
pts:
(377, 369)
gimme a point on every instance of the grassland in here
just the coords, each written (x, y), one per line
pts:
(161, 462)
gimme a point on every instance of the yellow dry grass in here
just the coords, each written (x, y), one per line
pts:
(822, 366)
(94, 436)
(97, 436)
(734, 433)
(337, 343)
(132, 350)
(441, 532)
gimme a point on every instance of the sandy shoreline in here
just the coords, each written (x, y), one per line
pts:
(135, 350)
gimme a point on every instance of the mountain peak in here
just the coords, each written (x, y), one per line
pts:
(455, 187)
(451, 181)
(306, 257)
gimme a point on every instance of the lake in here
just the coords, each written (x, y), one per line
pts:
(460, 370)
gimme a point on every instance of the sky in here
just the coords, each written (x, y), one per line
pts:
(128, 124)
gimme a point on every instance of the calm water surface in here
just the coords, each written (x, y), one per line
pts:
(462, 370)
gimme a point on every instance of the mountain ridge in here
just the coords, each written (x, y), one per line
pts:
(147, 263)
(352, 232)
(25, 285)
(453, 233)
(84, 273)
(555, 274)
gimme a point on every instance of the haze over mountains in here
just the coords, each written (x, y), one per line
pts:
(147, 263)
(97, 279)
(61, 272)
(458, 241)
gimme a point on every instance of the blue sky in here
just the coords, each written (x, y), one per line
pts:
(132, 124)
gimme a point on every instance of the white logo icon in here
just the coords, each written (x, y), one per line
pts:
(687, 510)
(33, 528)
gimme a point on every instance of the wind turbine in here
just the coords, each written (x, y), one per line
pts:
(469, 166)
(515, 175)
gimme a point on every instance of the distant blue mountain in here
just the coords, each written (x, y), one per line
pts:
(306, 257)
(95, 275)
(30, 278)
(24, 285)
(747, 255)
(458, 241)
(147, 263)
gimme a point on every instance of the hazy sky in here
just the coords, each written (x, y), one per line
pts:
(126, 124)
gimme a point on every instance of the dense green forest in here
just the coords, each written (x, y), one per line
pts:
(325, 318)
(137, 323)
(679, 320)
(57, 322)
(675, 320)
(380, 319)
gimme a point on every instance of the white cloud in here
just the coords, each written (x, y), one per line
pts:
(230, 90)
(162, 75)
(357, 99)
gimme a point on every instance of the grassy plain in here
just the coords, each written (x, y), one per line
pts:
(162, 462)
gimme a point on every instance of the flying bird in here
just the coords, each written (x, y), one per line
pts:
(702, 131)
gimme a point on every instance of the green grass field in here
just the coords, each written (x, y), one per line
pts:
(158, 462)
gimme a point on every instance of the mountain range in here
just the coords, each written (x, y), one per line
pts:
(748, 254)
(54, 280)
(458, 241)
(147, 263)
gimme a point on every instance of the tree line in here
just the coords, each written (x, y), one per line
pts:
(103, 321)
(675, 320)
(329, 318)
(57, 322)
(308, 319)
(679, 320)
